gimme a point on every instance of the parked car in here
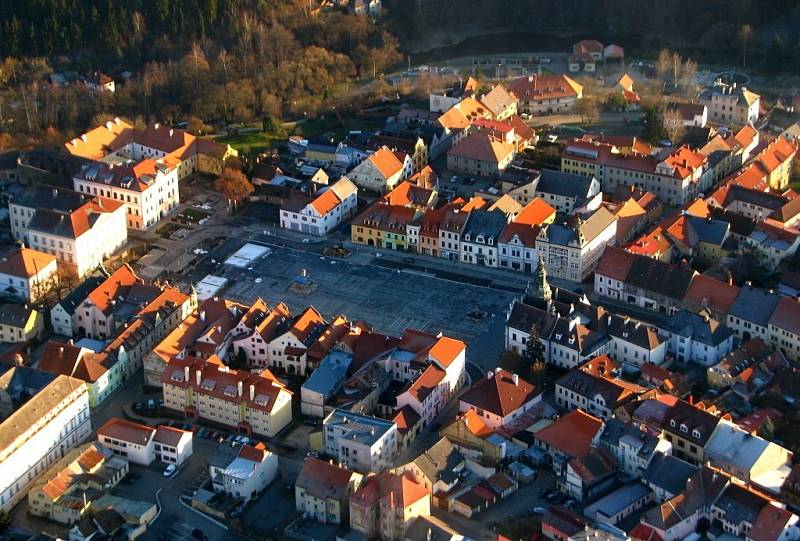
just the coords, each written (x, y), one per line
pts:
(408, 260)
(197, 533)
(151, 404)
(169, 471)
(538, 510)
(544, 492)
(569, 504)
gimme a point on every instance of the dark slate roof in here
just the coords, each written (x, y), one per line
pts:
(754, 305)
(15, 315)
(523, 317)
(40, 196)
(669, 473)
(740, 224)
(589, 385)
(740, 505)
(693, 418)
(615, 430)
(659, 277)
(708, 229)
(486, 223)
(697, 327)
(564, 184)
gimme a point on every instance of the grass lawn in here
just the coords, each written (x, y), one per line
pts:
(168, 229)
(251, 141)
(192, 215)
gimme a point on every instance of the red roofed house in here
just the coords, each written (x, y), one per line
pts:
(439, 380)
(322, 491)
(386, 504)
(101, 374)
(65, 492)
(323, 212)
(380, 172)
(570, 436)
(481, 154)
(81, 230)
(470, 434)
(499, 398)
(707, 293)
(253, 403)
(543, 94)
(27, 274)
(142, 444)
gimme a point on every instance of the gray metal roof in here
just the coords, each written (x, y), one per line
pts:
(754, 305)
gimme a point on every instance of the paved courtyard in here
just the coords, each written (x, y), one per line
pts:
(389, 300)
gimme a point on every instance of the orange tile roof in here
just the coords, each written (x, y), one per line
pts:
(536, 212)
(699, 208)
(326, 202)
(97, 142)
(407, 194)
(474, 423)
(25, 263)
(446, 349)
(426, 383)
(406, 419)
(386, 162)
(462, 114)
(685, 161)
(105, 295)
(306, 323)
(475, 203)
(571, 433)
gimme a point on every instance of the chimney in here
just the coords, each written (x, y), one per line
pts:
(428, 535)
(55, 192)
(489, 375)
(198, 376)
(170, 132)
(240, 385)
(203, 316)
(186, 373)
(516, 380)
(61, 350)
(155, 126)
(252, 392)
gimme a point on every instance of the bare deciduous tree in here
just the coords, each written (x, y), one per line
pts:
(663, 64)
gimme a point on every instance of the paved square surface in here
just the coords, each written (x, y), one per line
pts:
(389, 300)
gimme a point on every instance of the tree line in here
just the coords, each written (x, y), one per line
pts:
(193, 60)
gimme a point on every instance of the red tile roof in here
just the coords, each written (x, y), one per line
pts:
(709, 292)
(615, 263)
(545, 87)
(571, 433)
(499, 394)
(787, 315)
(127, 431)
(481, 146)
(105, 296)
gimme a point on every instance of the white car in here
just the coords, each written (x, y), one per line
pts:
(170, 470)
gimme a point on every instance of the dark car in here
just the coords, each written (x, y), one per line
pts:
(197, 533)
(138, 406)
(408, 260)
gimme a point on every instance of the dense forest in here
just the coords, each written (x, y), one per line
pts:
(206, 61)
(707, 29)
(198, 60)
